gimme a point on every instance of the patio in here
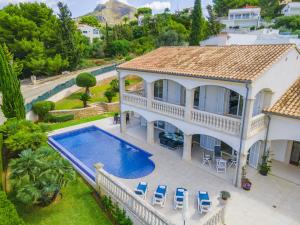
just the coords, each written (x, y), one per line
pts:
(272, 200)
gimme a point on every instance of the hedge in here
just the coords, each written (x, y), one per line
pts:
(8, 212)
(42, 108)
(59, 118)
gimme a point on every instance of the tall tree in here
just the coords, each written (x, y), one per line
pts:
(214, 26)
(197, 24)
(69, 36)
(12, 99)
(269, 8)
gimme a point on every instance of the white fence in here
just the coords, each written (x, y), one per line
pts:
(141, 210)
(258, 123)
(168, 109)
(135, 100)
(218, 122)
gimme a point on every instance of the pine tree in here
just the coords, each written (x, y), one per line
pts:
(12, 99)
(197, 24)
(214, 26)
(70, 41)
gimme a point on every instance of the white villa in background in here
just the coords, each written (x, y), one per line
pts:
(242, 99)
(242, 18)
(262, 36)
(291, 9)
(89, 31)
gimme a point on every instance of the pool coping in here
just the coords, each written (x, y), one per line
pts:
(80, 165)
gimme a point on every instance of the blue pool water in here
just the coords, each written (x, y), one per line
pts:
(91, 145)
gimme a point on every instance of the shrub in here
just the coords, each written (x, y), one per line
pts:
(109, 94)
(118, 47)
(114, 84)
(86, 80)
(22, 134)
(42, 108)
(38, 176)
(60, 118)
(225, 195)
(8, 212)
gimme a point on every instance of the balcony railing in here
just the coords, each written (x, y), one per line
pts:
(258, 123)
(216, 121)
(135, 100)
(168, 109)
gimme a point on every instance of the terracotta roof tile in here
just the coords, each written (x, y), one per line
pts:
(239, 63)
(289, 103)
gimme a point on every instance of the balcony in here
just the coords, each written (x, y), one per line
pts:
(257, 124)
(214, 121)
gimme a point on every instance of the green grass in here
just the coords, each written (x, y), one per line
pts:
(56, 126)
(77, 207)
(73, 100)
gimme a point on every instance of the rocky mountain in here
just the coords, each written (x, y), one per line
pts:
(113, 12)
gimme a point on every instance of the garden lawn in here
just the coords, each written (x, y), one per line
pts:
(73, 101)
(56, 126)
(77, 207)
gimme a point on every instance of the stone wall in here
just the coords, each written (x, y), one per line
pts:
(110, 107)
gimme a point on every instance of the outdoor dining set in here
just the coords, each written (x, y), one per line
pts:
(180, 199)
(171, 140)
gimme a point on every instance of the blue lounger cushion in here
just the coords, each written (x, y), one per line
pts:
(204, 196)
(141, 188)
(180, 194)
(161, 191)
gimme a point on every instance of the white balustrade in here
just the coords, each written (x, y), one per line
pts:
(135, 100)
(140, 209)
(258, 123)
(168, 109)
(216, 218)
(216, 121)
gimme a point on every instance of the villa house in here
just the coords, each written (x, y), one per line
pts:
(242, 18)
(90, 32)
(243, 100)
(291, 9)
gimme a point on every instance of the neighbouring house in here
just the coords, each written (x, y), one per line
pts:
(248, 17)
(90, 32)
(240, 101)
(262, 36)
(291, 9)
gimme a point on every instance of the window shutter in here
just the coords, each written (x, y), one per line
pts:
(202, 98)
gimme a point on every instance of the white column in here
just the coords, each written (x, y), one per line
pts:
(189, 101)
(150, 132)
(239, 169)
(248, 117)
(98, 167)
(187, 147)
(149, 94)
(121, 86)
(123, 122)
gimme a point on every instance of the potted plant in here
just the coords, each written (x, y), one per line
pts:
(246, 183)
(265, 166)
(224, 196)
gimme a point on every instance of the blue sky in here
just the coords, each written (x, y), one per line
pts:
(81, 7)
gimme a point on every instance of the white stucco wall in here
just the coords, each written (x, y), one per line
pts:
(281, 150)
(279, 77)
(284, 128)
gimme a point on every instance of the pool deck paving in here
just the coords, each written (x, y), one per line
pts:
(271, 201)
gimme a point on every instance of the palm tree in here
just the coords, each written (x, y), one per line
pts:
(125, 19)
(38, 176)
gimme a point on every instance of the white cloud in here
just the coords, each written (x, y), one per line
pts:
(158, 5)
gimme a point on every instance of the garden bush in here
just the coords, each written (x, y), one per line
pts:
(42, 108)
(59, 118)
(8, 213)
(109, 94)
(86, 80)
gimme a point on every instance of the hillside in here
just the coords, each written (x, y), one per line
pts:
(113, 12)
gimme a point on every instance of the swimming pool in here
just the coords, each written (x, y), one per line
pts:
(90, 145)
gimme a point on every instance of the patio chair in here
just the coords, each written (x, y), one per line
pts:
(206, 159)
(204, 203)
(160, 195)
(221, 165)
(141, 190)
(163, 141)
(179, 197)
(232, 162)
(172, 144)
